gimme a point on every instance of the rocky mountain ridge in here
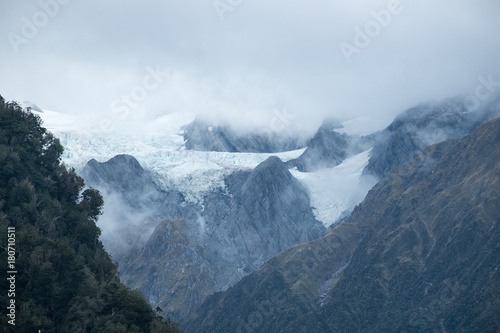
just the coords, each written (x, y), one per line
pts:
(424, 125)
(421, 253)
(209, 247)
(203, 136)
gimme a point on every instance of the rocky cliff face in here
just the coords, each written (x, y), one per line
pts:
(133, 201)
(420, 254)
(268, 213)
(178, 253)
(200, 135)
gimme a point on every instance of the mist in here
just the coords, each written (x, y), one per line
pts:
(241, 61)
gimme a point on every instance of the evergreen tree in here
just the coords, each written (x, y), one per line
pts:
(65, 280)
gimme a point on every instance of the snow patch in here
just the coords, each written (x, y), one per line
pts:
(334, 192)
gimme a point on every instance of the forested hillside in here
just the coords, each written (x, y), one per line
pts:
(60, 277)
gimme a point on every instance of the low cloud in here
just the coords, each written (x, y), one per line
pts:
(260, 58)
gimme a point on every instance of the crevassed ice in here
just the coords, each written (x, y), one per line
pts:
(160, 150)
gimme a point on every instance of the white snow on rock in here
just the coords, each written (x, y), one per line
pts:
(160, 150)
(336, 191)
(333, 192)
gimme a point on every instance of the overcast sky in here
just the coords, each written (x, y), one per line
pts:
(247, 61)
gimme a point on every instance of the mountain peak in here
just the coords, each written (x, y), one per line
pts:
(271, 162)
(126, 159)
(272, 172)
(122, 172)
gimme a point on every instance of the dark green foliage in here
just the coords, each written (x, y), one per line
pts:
(65, 281)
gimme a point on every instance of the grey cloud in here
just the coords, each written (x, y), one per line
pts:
(263, 56)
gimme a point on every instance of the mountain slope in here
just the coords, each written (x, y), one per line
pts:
(186, 252)
(61, 279)
(421, 253)
(133, 200)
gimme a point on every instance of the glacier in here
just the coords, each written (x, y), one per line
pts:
(334, 192)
